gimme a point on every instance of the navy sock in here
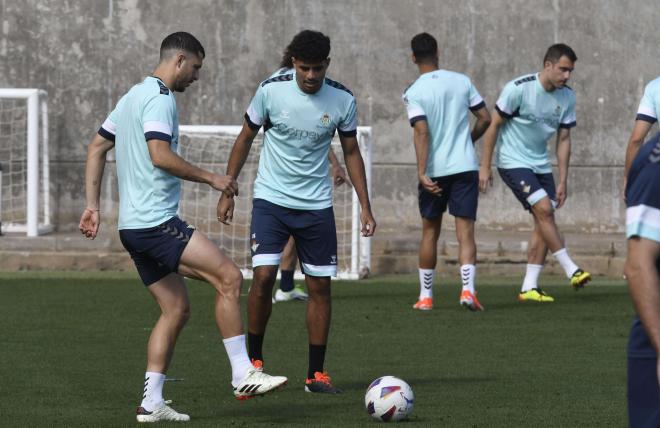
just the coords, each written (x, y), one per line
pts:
(255, 344)
(286, 280)
(316, 359)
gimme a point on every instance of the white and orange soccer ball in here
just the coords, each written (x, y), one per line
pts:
(389, 399)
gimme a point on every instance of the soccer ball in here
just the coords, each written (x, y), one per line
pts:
(389, 399)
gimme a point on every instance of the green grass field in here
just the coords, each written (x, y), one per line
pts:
(72, 353)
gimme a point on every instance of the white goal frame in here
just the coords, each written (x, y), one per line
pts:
(360, 264)
(37, 118)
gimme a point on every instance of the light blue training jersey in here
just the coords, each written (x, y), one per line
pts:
(293, 165)
(534, 115)
(443, 98)
(148, 196)
(649, 107)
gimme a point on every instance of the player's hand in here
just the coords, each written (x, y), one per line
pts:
(339, 176)
(89, 223)
(368, 222)
(485, 178)
(562, 194)
(225, 209)
(430, 185)
(226, 184)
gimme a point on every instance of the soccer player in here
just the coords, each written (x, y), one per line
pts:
(300, 113)
(438, 103)
(643, 274)
(529, 111)
(143, 128)
(647, 115)
(287, 289)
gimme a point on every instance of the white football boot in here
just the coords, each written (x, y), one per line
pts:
(256, 382)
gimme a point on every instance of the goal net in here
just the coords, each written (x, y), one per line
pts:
(209, 147)
(24, 168)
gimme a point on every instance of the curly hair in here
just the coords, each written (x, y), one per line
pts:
(308, 46)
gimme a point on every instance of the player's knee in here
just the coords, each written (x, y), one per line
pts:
(631, 269)
(544, 211)
(231, 280)
(179, 314)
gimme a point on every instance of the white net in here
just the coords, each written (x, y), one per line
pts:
(13, 160)
(209, 148)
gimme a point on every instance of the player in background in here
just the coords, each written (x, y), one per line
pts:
(287, 290)
(143, 128)
(300, 113)
(438, 103)
(643, 274)
(647, 115)
(529, 111)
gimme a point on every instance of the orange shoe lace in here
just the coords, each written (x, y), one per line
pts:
(257, 364)
(320, 377)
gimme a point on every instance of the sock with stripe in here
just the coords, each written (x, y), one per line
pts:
(426, 283)
(468, 274)
(152, 397)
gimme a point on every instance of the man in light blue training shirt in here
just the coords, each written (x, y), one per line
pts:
(529, 111)
(144, 129)
(438, 103)
(300, 113)
(647, 114)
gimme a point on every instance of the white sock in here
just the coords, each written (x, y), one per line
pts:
(531, 277)
(153, 391)
(238, 358)
(468, 273)
(426, 283)
(566, 262)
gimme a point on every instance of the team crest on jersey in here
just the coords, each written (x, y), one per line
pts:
(557, 111)
(325, 119)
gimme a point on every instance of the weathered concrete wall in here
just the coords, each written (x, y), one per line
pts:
(86, 54)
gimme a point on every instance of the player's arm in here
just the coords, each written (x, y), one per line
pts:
(644, 285)
(421, 141)
(355, 167)
(96, 154)
(639, 132)
(338, 173)
(237, 158)
(563, 157)
(481, 124)
(490, 139)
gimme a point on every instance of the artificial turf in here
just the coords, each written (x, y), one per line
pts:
(72, 353)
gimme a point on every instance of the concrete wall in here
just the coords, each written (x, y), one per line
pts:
(86, 54)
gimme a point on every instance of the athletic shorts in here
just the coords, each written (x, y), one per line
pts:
(459, 191)
(156, 251)
(313, 231)
(529, 187)
(643, 391)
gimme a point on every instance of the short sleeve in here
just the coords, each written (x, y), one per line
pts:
(347, 126)
(413, 108)
(158, 118)
(509, 101)
(568, 119)
(108, 129)
(647, 110)
(476, 102)
(256, 114)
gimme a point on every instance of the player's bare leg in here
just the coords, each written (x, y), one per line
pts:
(537, 251)
(260, 306)
(287, 289)
(319, 314)
(428, 258)
(467, 257)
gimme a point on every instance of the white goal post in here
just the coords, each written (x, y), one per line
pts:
(209, 146)
(25, 184)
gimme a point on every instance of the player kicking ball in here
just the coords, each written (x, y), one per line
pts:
(438, 103)
(529, 111)
(143, 128)
(300, 113)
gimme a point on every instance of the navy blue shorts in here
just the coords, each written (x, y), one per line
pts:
(459, 191)
(643, 391)
(156, 251)
(313, 231)
(528, 186)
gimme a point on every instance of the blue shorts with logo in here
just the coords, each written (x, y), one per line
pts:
(460, 192)
(156, 251)
(529, 187)
(313, 231)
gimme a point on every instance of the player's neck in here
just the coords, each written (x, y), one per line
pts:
(545, 82)
(426, 67)
(161, 74)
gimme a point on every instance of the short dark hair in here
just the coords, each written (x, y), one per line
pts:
(181, 41)
(556, 51)
(309, 46)
(424, 47)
